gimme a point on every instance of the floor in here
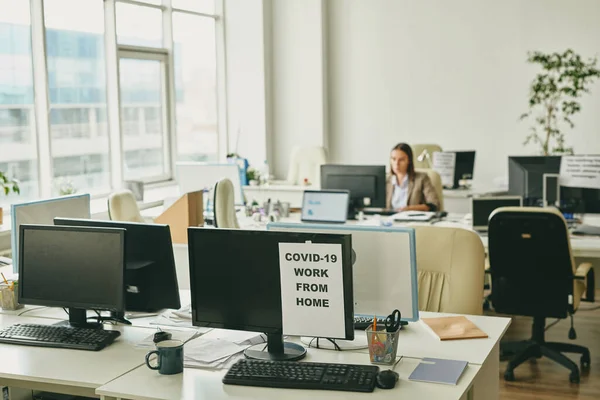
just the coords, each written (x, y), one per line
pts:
(543, 379)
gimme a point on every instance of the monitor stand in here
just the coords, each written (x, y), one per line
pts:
(359, 342)
(277, 350)
(78, 319)
(117, 316)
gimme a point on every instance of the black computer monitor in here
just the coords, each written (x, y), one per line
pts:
(463, 167)
(363, 182)
(150, 274)
(75, 267)
(579, 200)
(526, 176)
(235, 284)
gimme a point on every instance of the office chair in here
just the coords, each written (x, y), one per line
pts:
(450, 265)
(305, 162)
(436, 180)
(224, 205)
(122, 206)
(423, 154)
(533, 274)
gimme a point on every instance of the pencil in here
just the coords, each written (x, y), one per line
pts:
(3, 277)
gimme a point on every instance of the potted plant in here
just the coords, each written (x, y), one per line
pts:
(553, 97)
(8, 185)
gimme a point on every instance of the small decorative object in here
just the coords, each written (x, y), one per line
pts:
(553, 97)
(252, 176)
(8, 185)
(242, 163)
(65, 187)
(306, 182)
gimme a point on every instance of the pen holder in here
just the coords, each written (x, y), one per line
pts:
(8, 297)
(383, 345)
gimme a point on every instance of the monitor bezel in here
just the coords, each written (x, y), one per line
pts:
(52, 303)
(484, 228)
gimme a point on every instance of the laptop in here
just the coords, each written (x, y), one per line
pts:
(482, 208)
(329, 206)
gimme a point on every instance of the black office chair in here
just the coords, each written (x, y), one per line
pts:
(533, 274)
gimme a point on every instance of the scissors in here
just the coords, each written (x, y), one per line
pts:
(392, 322)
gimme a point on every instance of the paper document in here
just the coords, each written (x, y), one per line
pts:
(415, 216)
(237, 337)
(444, 164)
(209, 350)
(184, 336)
(436, 370)
(580, 171)
(219, 348)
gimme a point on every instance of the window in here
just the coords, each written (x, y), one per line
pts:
(139, 25)
(126, 89)
(196, 87)
(77, 92)
(144, 116)
(18, 147)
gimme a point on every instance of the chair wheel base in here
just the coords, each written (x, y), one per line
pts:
(509, 376)
(585, 361)
(574, 378)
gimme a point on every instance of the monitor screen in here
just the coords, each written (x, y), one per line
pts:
(482, 208)
(579, 200)
(43, 212)
(235, 277)
(72, 267)
(366, 183)
(150, 274)
(464, 166)
(325, 206)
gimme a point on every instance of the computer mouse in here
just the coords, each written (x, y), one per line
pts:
(387, 379)
(160, 336)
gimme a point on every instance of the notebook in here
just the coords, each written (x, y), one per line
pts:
(454, 328)
(413, 216)
(436, 370)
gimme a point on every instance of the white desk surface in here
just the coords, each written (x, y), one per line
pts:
(145, 384)
(65, 367)
(417, 341)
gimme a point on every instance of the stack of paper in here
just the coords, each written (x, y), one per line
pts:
(219, 348)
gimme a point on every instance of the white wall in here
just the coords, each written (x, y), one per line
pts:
(246, 70)
(449, 72)
(299, 91)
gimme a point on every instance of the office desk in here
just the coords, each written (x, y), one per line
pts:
(142, 384)
(75, 372)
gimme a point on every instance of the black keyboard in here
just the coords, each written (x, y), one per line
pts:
(362, 323)
(303, 375)
(58, 336)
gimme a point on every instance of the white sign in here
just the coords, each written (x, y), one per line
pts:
(312, 295)
(580, 171)
(444, 164)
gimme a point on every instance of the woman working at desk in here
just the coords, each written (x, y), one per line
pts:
(406, 189)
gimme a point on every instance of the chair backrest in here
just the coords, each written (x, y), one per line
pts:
(436, 180)
(530, 261)
(418, 149)
(224, 205)
(450, 265)
(122, 206)
(305, 162)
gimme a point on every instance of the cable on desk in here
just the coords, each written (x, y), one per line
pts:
(31, 309)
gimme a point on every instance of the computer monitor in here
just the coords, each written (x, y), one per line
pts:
(526, 176)
(150, 275)
(366, 184)
(325, 206)
(235, 284)
(194, 176)
(43, 212)
(464, 167)
(482, 208)
(579, 200)
(74, 267)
